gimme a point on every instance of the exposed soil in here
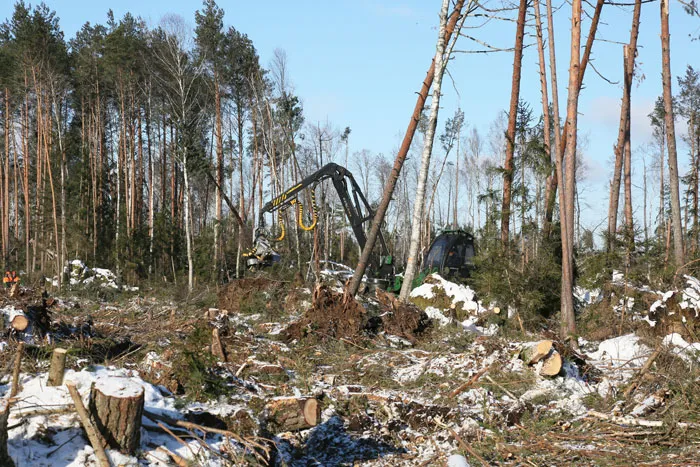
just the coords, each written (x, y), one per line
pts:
(242, 291)
(331, 315)
(401, 319)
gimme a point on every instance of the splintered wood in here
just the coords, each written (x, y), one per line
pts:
(292, 414)
(116, 405)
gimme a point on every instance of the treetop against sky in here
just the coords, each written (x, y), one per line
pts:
(359, 63)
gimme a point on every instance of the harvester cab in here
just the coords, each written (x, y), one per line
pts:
(451, 254)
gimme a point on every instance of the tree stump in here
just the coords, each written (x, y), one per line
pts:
(5, 459)
(292, 414)
(116, 406)
(57, 368)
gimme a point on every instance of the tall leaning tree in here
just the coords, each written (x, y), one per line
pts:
(354, 284)
(671, 136)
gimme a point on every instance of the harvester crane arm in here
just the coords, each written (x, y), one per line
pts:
(357, 208)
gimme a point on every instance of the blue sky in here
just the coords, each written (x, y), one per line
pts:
(359, 63)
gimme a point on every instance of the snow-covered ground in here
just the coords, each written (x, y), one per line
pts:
(40, 438)
(81, 275)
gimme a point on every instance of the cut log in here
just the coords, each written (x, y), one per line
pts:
(551, 365)
(5, 458)
(535, 352)
(292, 414)
(14, 290)
(57, 368)
(116, 405)
(17, 319)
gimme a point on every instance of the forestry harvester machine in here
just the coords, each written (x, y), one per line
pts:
(451, 253)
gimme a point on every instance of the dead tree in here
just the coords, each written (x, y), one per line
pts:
(622, 148)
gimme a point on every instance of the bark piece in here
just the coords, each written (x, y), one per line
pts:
(292, 413)
(58, 367)
(552, 365)
(536, 352)
(5, 458)
(116, 405)
(96, 439)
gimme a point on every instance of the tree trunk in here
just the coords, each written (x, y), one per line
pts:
(188, 229)
(568, 320)
(622, 148)
(219, 173)
(671, 136)
(512, 119)
(419, 203)
(550, 183)
(379, 215)
(116, 406)
(536, 352)
(5, 459)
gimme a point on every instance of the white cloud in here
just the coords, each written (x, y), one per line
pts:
(603, 114)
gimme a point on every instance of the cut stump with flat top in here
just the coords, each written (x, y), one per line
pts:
(57, 368)
(292, 413)
(116, 406)
(5, 459)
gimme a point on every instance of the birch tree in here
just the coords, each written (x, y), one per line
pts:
(180, 77)
(419, 204)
